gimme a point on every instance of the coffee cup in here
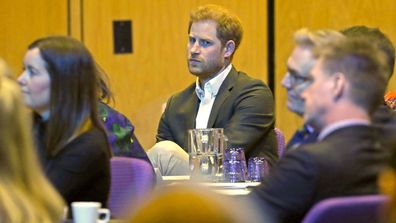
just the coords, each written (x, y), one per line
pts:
(89, 212)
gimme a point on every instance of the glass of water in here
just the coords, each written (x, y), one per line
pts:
(258, 168)
(205, 148)
(235, 169)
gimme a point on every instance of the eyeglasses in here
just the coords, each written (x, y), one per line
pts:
(297, 79)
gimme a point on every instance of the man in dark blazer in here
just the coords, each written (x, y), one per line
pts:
(384, 117)
(243, 107)
(296, 80)
(222, 97)
(347, 84)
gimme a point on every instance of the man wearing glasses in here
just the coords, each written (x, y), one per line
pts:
(298, 79)
(347, 83)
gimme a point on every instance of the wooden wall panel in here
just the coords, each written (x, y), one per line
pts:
(142, 81)
(23, 21)
(292, 15)
(75, 18)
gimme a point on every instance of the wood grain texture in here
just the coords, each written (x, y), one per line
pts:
(76, 18)
(142, 81)
(23, 21)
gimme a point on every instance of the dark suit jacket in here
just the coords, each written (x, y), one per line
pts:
(383, 119)
(346, 162)
(244, 107)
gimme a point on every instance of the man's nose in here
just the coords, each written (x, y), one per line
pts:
(21, 79)
(195, 47)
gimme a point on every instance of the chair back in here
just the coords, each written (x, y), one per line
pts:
(280, 138)
(353, 209)
(131, 180)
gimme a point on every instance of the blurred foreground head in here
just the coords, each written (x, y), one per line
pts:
(25, 193)
(4, 69)
(195, 205)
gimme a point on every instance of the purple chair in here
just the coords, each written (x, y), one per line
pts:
(353, 209)
(281, 142)
(131, 180)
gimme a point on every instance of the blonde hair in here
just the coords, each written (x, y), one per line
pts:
(4, 69)
(194, 204)
(25, 194)
(308, 38)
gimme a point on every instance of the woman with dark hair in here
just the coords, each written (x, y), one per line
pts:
(59, 84)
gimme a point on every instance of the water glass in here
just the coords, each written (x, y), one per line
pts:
(258, 168)
(205, 149)
(235, 165)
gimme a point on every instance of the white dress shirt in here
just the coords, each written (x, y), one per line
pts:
(207, 97)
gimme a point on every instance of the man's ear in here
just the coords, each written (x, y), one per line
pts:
(229, 48)
(339, 81)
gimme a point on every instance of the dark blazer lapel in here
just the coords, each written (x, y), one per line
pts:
(190, 109)
(224, 92)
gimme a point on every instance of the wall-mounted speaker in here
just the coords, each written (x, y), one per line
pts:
(122, 35)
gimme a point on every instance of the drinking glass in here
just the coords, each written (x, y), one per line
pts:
(258, 168)
(235, 169)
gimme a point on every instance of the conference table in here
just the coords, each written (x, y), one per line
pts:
(226, 188)
(111, 221)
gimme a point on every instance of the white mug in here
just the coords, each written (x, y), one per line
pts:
(89, 212)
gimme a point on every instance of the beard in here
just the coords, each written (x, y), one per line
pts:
(204, 70)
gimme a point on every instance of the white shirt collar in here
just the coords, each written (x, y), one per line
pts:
(338, 125)
(45, 115)
(213, 85)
